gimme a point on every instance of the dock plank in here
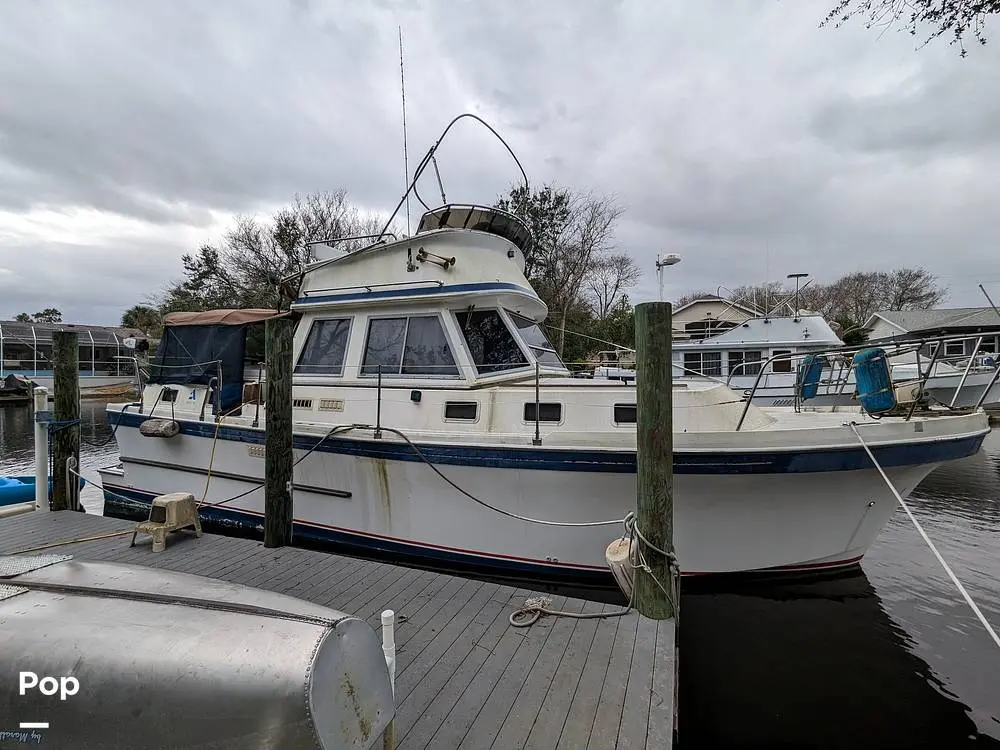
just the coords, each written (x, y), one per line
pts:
(540, 643)
(543, 701)
(464, 677)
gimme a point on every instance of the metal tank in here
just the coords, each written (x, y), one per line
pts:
(121, 656)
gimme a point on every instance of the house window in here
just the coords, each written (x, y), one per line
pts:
(989, 344)
(546, 412)
(703, 363)
(408, 346)
(461, 410)
(491, 344)
(325, 347)
(954, 348)
(536, 340)
(744, 363)
(625, 414)
(782, 365)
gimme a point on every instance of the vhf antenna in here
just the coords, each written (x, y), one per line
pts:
(406, 164)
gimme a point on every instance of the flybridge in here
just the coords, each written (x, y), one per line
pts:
(478, 219)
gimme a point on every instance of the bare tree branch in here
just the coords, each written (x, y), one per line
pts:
(955, 17)
(609, 280)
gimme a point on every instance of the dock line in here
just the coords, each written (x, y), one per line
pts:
(947, 568)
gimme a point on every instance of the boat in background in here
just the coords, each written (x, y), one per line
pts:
(764, 358)
(15, 389)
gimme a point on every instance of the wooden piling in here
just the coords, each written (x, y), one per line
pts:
(66, 410)
(655, 458)
(278, 459)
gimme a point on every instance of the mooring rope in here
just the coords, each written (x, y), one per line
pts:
(944, 564)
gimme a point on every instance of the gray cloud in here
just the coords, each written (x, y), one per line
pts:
(734, 132)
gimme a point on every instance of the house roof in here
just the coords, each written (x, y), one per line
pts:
(713, 298)
(914, 321)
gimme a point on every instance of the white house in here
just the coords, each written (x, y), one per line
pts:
(708, 316)
(906, 324)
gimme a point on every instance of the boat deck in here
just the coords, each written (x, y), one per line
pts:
(465, 678)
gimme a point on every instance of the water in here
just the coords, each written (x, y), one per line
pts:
(889, 657)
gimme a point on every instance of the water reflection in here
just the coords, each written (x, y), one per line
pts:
(808, 664)
(97, 448)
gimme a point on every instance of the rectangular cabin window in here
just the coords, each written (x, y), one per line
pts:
(491, 344)
(325, 347)
(463, 410)
(546, 412)
(703, 363)
(536, 340)
(625, 414)
(989, 344)
(427, 351)
(781, 365)
(408, 346)
(954, 348)
(744, 363)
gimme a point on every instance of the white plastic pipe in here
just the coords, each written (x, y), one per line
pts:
(41, 451)
(389, 645)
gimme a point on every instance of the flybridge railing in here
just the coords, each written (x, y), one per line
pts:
(913, 345)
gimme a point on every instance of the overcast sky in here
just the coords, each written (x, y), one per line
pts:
(735, 133)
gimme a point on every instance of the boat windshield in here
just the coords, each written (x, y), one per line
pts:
(537, 341)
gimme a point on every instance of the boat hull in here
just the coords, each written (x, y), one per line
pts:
(732, 514)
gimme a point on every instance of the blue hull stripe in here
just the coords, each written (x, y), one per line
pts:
(414, 292)
(792, 461)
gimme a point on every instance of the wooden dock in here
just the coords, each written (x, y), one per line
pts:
(465, 678)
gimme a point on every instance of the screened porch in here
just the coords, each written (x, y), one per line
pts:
(26, 349)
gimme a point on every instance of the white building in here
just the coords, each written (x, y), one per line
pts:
(708, 316)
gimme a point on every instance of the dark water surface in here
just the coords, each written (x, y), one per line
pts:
(887, 657)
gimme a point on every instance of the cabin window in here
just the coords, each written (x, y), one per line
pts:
(744, 363)
(491, 344)
(625, 414)
(782, 365)
(461, 410)
(415, 345)
(989, 344)
(703, 363)
(954, 348)
(546, 412)
(325, 347)
(536, 340)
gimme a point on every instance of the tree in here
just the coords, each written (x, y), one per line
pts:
(571, 230)
(852, 298)
(246, 268)
(23, 318)
(146, 319)
(912, 289)
(618, 326)
(609, 280)
(955, 17)
(48, 315)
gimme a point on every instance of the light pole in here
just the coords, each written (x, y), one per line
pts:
(666, 260)
(796, 276)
